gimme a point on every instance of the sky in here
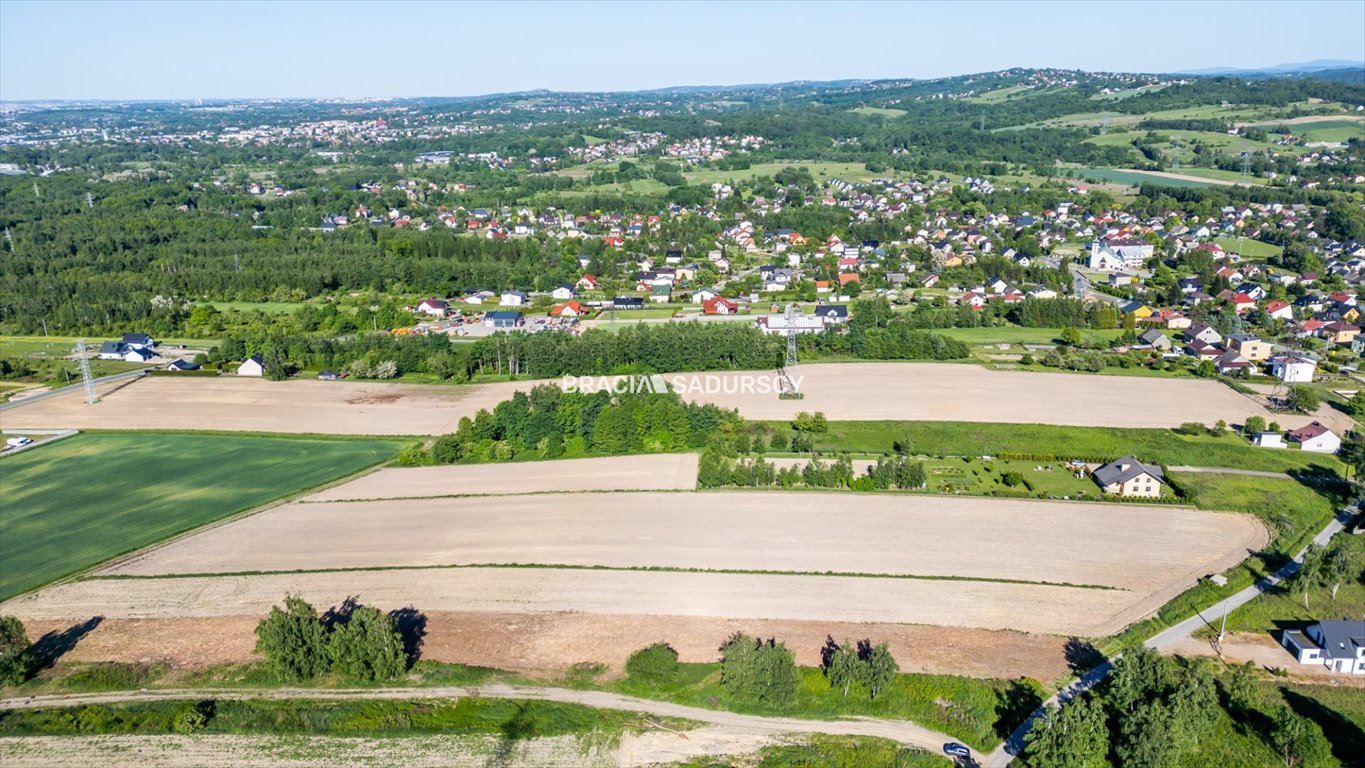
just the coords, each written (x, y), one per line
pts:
(184, 50)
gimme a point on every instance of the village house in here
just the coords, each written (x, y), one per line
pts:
(513, 299)
(1316, 438)
(569, 308)
(433, 307)
(1250, 347)
(1292, 368)
(1115, 254)
(1129, 477)
(1337, 645)
(719, 306)
(252, 366)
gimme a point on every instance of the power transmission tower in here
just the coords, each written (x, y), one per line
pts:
(1104, 125)
(86, 377)
(785, 382)
(1246, 167)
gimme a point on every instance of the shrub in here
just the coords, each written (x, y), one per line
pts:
(16, 660)
(293, 641)
(368, 646)
(758, 672)
(656, 664)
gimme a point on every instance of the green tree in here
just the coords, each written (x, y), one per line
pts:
(654, 665)
(758, 672)
(1299, 740)
(293, 641)
(879, 668)
(1356, 405)
(16, 658)
(368, 646)
(842, 668)
(1254, 425)
(1304, 398)
(1073, 736)
(1071, 336)
(1311, 571)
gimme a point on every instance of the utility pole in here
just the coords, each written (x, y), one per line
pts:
(90, 199)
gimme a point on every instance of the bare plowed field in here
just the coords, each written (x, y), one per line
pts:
(665, 472)
(1121, 547)
(844, 391)
(1045, 567)
(987, 605)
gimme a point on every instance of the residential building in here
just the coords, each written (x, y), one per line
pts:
(1338, 645)
(252, 366)
(1293, 368)
(1250, 347)
(504, 319)
(1316, 438)
(1129, 477)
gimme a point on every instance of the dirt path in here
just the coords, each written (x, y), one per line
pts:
(1227, 471)
(901, 731)
(635, 750)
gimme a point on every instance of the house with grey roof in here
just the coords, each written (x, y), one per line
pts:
(1129, 477)
(1337, 645)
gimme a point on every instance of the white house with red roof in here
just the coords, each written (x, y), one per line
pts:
(1316, 438)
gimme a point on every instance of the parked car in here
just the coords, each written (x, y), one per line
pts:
(18, 442)
(953, 749)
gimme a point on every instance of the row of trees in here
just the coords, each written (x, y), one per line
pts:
(357, 641)
(549, 422)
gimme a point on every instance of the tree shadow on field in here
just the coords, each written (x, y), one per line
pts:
(1013, 705)
(52, 646)
(518, 728)
(339, 615)
(412, 625)
(1346, 738)
(1081, 656)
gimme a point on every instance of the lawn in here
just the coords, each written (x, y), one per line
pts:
(1013, 334)
(977, 711)
(80, 501)
(974, 476)
(822, 171)
(1330, 130)
(1293, 510)
(1163, 446)
(264, 307)
(1249, 248)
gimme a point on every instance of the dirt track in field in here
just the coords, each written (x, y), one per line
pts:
(1125, 547)
(846, 391)
(545, 645)
(660, 472)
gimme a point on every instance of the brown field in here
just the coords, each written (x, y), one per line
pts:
(1044, 567)
(896, 534)
(660, 472)
(843, 391)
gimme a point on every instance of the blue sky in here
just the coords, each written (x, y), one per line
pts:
(146, 50)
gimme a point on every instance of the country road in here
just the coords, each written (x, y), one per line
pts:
(137, 373)
(1006, 752)
(900, 731)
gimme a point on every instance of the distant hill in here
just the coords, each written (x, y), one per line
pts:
(1301, 69)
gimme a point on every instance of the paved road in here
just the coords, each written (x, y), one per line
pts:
(900, 731)
(73, 388)
(1005, 753)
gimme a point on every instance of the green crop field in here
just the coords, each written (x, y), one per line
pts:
(1331, 130)
(80, 501)
(874, 111)
(1131, 178)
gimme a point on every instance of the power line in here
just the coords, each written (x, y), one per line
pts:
(86, 377)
